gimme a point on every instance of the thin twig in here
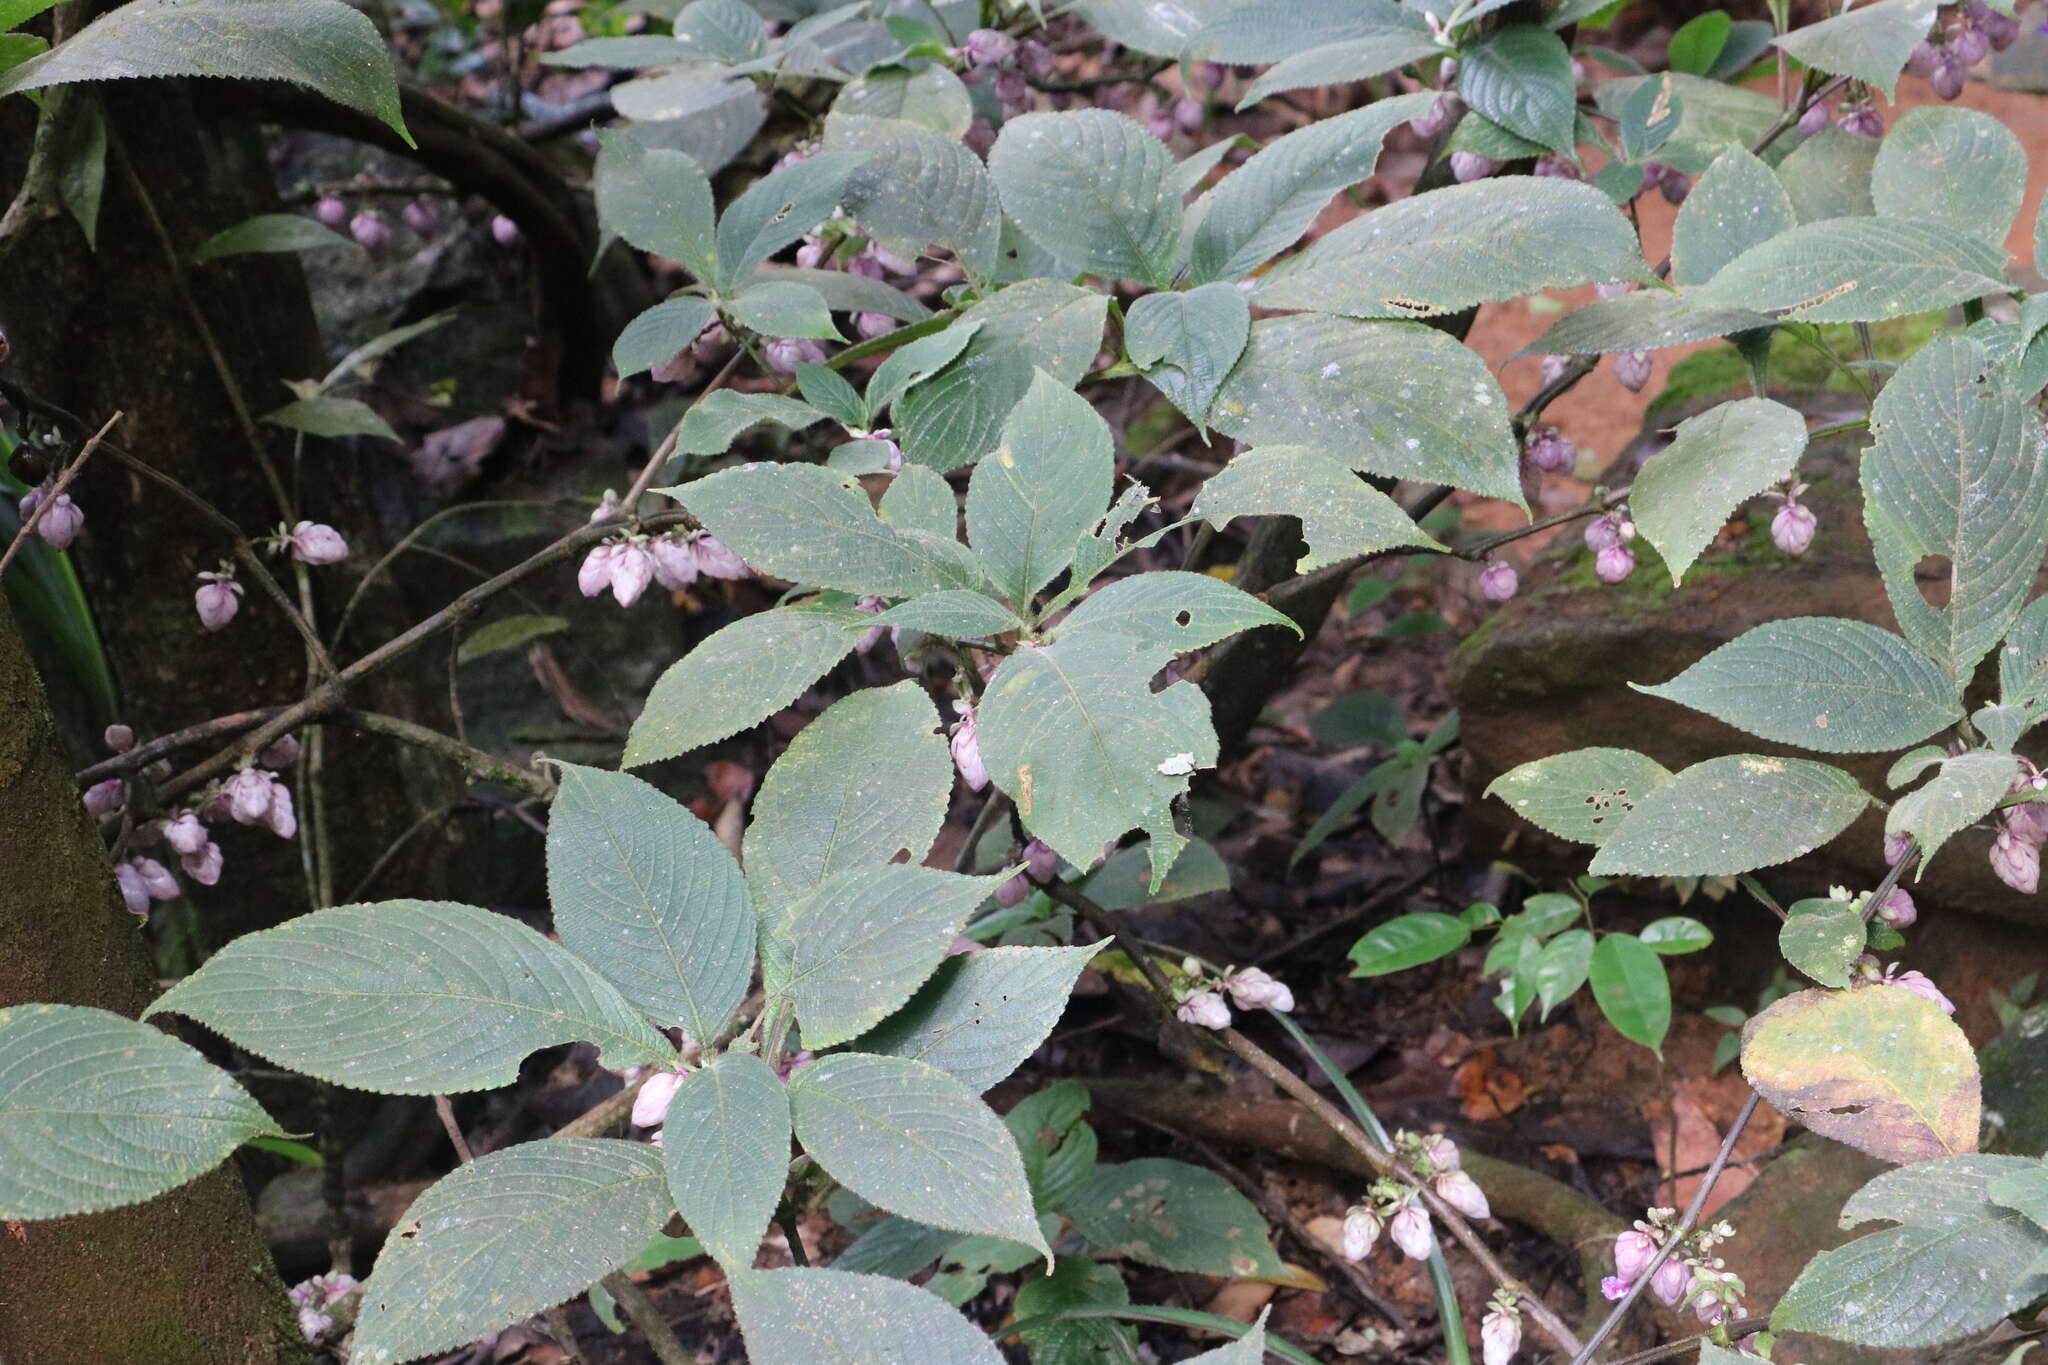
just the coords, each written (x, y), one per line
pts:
(49, 499)
(1737, 1329)
(453, 1129)
(638, 1307)
(984, 820)
(1685, 1225)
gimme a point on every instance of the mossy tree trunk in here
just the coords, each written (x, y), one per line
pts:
(182, 1279)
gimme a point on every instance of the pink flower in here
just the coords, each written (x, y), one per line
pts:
(1465, 168)
(868, 326)
(1500, 1336)
(313, 543)
(1967, 44)
(811, 253)
(1440, 116)
(133, 893)
(1898, 909)
(967, 750)
(1614, 1289)
(422, 217)
(1549, 450)
(1253, 989)
(1919, 62)
(1614, 289)
(104, 798)
(1792, 528)
(1816, 116)
(281, 752)
(1896, 846)
(2028, 822)
(184, 833)
(248, 795)
(1632, 368)
(1462, 1193)
(1411, 1231)
(1204, 1009)
(1671, 1281)
(1554, 168)
(784, 354)
(282, 819)
(370, 231)
(2017, 862)
(1863, 121)
(871, 637)
(60, 523)
(505, 232)
(675, 561)
(988, 47)
(595, 575)
(1672, 183)
(119, 738)
(1633, 1252)
(1034, 59)
(203, 866)
(1498, 581)
(1920, 985)
(1361, 1230)
(331, 212)
(650, 1106)
(156, 879)
(632, 571)
(1040, 861)
(715, 561)
(218, 599)
(1441, 1153)
(1614, 563)
(1014, 891)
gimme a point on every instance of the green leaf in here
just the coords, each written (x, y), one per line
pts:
(908, 1137)
(1447, 249)
(1960, 472)
(1521, 78)
(725, 1149)
(1408, 941)
(1828, 175)
(1047, 481)
(815, 526)
(657, 200)
(726, 31)
(716, 419)
(97, 1111)
(1713, 116)
(1162, 1212)
(1730, 815)
(916, 361)
(331, 417)
(15, 13)
(1870, 44)
(1879, 1068)
(1352, 59)
(1075, 735)
(1956, 1263)
(739, 677)
(779, 208)
(1736, 205)
(1582, 795)
(932, 98)
(1273, 30)
(1342, 516)
(270, 232)
(323, 44)
(848, 1319)
(1699, 41)
(2023, 662)
(619, 54)
(1266, 204)
(1392, 398)
(958, 615)
(1821, 682)
(983, 1013)
(1187, 342)
(2002, 726)
(1249, 1349)
(1170, 609)
(504, 1237)
(1859, 270)
(826, 390)
(1091, 187)
(779, 308)
(1821, 938)
(1075, 1282)
(1676, 935)
(956, 416)
(896, 1247)
(1561, 968)
(1966, 790)
(643, 891)
(867, 938)
(1380, 784)
(1952, 166)
(409, 998)
(1632, 990)
(1727, 454)
(851, 293)
(917, 188)
(1124, 881)
(1363, 717)
(660, 333)
(1643, 321)
(16, 48)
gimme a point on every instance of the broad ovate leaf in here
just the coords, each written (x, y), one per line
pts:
(1736, 205)
(1521, 78)
(660, 334)
(1727, 454)
(1583, 795)
(643, 891)
(2023, 659)
(1822, 937)
(1880, 1068)
(1394, 398)
(1447, 249)
(409, 998)
(1859, 270)
(270, 233)
(510, 1234)
(1730, 815)
(919, 188)
(1044, 484)
(1870, 43)
(1176, 1216)
(658, 200)
(906, 1136)
(1408, 941)
(1170, 609)
(741, 676)
(1186, 342)
(1823, 683)
(849, 1319)
(1959, 473)
(717, 418)
(1631, 988)
(725, 1149)
(983, 1013)
(98, 1111)
(778, 209)
(1965, 790)
(1953, 166)
(1091, 187)
(1342, 516)
(933, 99)
(956, 614)
(1642, 321)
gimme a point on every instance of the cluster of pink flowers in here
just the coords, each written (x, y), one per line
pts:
(315, 1296)
(61, 520)
(675, 560)
(1608, 538)
(1009, 66)
(1500, 1331)
(1249, 988)
(1691, 1274)
(1973, 32)
(1040, 864)
(219, 596)
(2016, 852)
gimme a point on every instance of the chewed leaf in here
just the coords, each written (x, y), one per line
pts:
(1583, 795)
(1176, 1216)
(1730, 815)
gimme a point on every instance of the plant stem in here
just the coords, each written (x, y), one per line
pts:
(446, 1111)
(49, 499)
(633, 1299)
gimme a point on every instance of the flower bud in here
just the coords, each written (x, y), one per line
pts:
(1898, 909)
(1633, 1252)
(650, 1106)
(104, 798)
(2017, 863)
(1671, 182)
(60, 522)
(1550, 450)
(1465, 168)
(1254, 989)
(1967, 45)
(184, 833)
(281, 752)
(2001, 30)
(871, 637)
(1632, 368)
(370, 231)
(1440, 116)
(2028, 822)
(282, 819)
(966, 750)
(1204, 1009)
(595, 575)
(784, 354)
(1441, 1153)
(1553, 168)
(1498, 581)
(811, 253)
(422, 217)
(1040, 861)
(1500, 1336)
(133, 893)
(988, 47)
(1816, 116)
(632, 571)
(505, 232)
(313, 543)
(675, 561)
(203, 866)
(1920, 61)
(1462, 1193)
(1896, 846)
(1361, 1230)
(1863, 121)
(1013, 92)
(1792, 528)
(331, 211)
(218, 599)
(156, 879)
(1671, 1281)
(1034, 59)
(1188, 114)
(119, 738)
(868, 326)
(715, 561)
(1614, 563)
(1549, 370)
(1411, 1231)
(1949, 76)
(1014, 891)
(1922, 986)
(979, 137)
(248, 795)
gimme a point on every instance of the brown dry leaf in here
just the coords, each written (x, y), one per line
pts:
(1487, 1090)
(1240, 1300)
